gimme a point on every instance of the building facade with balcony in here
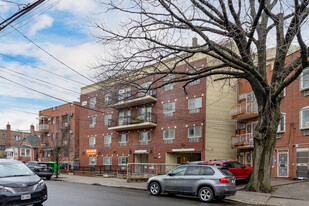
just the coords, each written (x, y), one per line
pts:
(291, 157)
(59, 127)
(126, 124)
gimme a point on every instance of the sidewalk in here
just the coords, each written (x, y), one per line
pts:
(286, 191)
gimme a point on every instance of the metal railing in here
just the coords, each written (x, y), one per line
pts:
(244, 108)
(243, 140)
(146, 170)
(43, 127)
(134, 119)
(103, 169)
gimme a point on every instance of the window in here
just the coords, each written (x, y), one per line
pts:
(92, 102)
(179, 171)
(124, 94)
(3, 136)
(16, 138)
(169, 109)
(194, 105)
(283, 93)
(107, 140)
(107, 119)
(124, 117)
(84, 103)
(15, 152)
(24, 152)
(273, 161)
(92, 141)
(194, 132)
(123, 139)
(52, 137)
(52, 120)
(304, 79)
(92, 122)
(169, 86)
(304, 118)
(144, 114)
(144, 136)
(168, 134)
(206, 171)
(145, 89)
(197, 81)
(108, 99)
(92, 160)
(107, 160)
(281, 126)
(122, 160)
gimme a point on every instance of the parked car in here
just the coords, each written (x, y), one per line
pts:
(19, 185)
(240, 171)
(205, 181)
(42, 169)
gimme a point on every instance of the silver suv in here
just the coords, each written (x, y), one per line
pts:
(205, 181)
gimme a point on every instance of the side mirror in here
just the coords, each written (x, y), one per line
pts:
(170, 174)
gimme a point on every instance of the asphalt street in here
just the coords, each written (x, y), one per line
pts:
(64, 193)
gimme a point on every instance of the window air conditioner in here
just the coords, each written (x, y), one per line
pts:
(71, 131)
(48, 135)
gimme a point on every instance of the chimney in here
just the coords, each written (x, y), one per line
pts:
(8, 135)
(32, 129)
(194, 42)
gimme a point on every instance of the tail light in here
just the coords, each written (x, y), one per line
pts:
(36, 167)
(224, 180)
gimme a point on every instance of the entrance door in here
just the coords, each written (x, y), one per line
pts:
(283, 159)
(141, 168)
(302, 163)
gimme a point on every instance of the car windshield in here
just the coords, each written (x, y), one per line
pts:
(14, 169)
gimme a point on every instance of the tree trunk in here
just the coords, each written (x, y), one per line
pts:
(264, 146)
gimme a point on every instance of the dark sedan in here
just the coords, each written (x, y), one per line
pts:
(42, 169)
(19, 185)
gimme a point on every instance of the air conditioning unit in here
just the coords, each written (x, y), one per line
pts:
(71, 131)
(66, 124)
(48, 135)
(49, 119)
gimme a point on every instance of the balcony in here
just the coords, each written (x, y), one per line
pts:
(43, 127)
(144, 121)
(242, 141)
(245, 110)
(134, 100)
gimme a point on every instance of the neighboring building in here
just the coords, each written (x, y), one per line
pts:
(10, 138)
(59, 127)
(161, 126)
(291, 156)
(25, 151)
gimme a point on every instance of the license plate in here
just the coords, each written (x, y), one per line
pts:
(45, 169)
(26, 197)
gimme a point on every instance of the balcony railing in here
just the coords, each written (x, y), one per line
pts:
(141, 121)
(245, 110)
(242, 141)
(124, 101)
(43, 127)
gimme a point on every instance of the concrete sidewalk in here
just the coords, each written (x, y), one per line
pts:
(286, 191)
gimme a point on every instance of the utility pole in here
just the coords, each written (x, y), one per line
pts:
(19, 14)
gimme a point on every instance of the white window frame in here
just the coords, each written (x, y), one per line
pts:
(301, 118)
(84, 103)
(107, 140)
(301, 82)
(169, 87)
(197, 81)
(121, 141)
(145, 89)
(107, 119)
(280, 123)
(94, 163)
(120, 160)
(24, 150)
(193, 105)
(124, 94)
(194, 131)
(17, 138)
(168, 110)
(107, 160)
(92, 125)
(144, 139)
(92, 102)
(170, 134)
(108, 99)
(92, 141)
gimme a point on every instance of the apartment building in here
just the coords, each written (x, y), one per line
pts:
(290, 158)
(164, 125)
(9, 139)
(59, 128)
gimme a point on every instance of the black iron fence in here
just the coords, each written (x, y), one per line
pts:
(103, 169)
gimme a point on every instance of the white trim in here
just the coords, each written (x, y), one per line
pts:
(301, 118)
(184, 150)
(301, 88)
(302, 149)
(284, 124)
(140, 152)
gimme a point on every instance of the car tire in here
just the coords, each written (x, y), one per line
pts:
(155, 189)
(205, 194)
(38, 204)
(48, 177)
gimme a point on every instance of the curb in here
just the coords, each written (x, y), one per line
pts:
(241, 201)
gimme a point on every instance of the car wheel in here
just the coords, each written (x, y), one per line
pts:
(205, 194)
(48, 177)
(155, 188)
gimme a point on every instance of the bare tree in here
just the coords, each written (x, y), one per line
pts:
(153, 31)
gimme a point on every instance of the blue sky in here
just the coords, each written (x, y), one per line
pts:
(64, 31)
